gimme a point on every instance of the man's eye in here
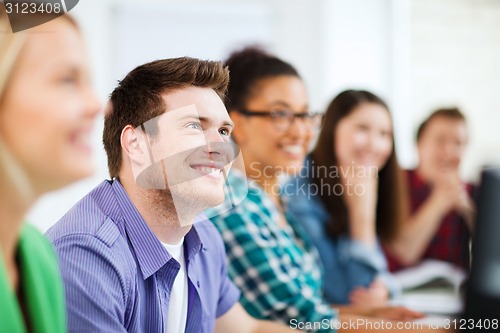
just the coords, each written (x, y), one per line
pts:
(225, 132)
(196, 126)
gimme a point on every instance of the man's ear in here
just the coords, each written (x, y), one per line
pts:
(239, 132)
(133, 144)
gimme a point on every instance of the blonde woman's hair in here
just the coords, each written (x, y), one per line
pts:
(12, 174)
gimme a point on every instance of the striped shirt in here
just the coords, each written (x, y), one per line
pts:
(277, 269)
(118, 275)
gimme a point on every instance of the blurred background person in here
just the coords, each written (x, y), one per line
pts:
(349, 195)
(47, 110)
(273, 263)
(442, 209)
(271, 258)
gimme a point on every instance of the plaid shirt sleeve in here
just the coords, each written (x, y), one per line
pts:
(279, 277)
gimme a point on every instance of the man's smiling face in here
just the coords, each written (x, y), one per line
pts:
(188, 147)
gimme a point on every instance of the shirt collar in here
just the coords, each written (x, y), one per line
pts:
(150, 253)
(193, 243)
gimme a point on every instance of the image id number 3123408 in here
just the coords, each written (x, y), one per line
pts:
(18, 7)
(472, 324)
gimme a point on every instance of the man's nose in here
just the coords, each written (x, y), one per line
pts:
(214, 141)
(219, 148)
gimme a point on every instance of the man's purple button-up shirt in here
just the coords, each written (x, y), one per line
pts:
(118, 276)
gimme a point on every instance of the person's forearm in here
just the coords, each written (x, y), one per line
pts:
(415, 235)
(351, 310)
(347, 310)
(362, 227)
(268, 326)
(364, 324)
(468, 212)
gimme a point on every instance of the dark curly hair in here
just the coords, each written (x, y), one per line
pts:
(246, 68)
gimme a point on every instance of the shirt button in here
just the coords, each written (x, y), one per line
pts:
(198, 284)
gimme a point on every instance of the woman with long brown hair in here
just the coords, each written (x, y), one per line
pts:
(348, 198)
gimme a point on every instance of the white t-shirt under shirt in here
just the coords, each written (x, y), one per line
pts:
(178, 304)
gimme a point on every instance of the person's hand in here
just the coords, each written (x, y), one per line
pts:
(360, 187)
(449, 193)
(375, 296)
(360, 196)
(467, 209)
(446, 193)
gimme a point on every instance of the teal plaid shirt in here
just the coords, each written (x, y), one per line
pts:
(277, 269)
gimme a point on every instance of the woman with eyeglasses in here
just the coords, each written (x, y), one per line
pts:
(47, 109)
(271, 259)
(353, 197)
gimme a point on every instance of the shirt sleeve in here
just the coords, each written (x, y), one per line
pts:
(272, 285)
(364, 264)
(352, 262)
(229, 294)
(95, 288)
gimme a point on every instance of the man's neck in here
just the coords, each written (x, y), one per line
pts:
(167, 233)
(159, 215)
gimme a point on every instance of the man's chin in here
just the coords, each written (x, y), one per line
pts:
(211, 198)
(199, 194)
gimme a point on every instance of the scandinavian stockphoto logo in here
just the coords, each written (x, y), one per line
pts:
(28, 14)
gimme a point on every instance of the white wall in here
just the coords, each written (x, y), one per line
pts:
(377, 45)
(456, 61)
(356, 46)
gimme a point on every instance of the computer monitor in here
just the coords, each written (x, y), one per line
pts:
(483, 291)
